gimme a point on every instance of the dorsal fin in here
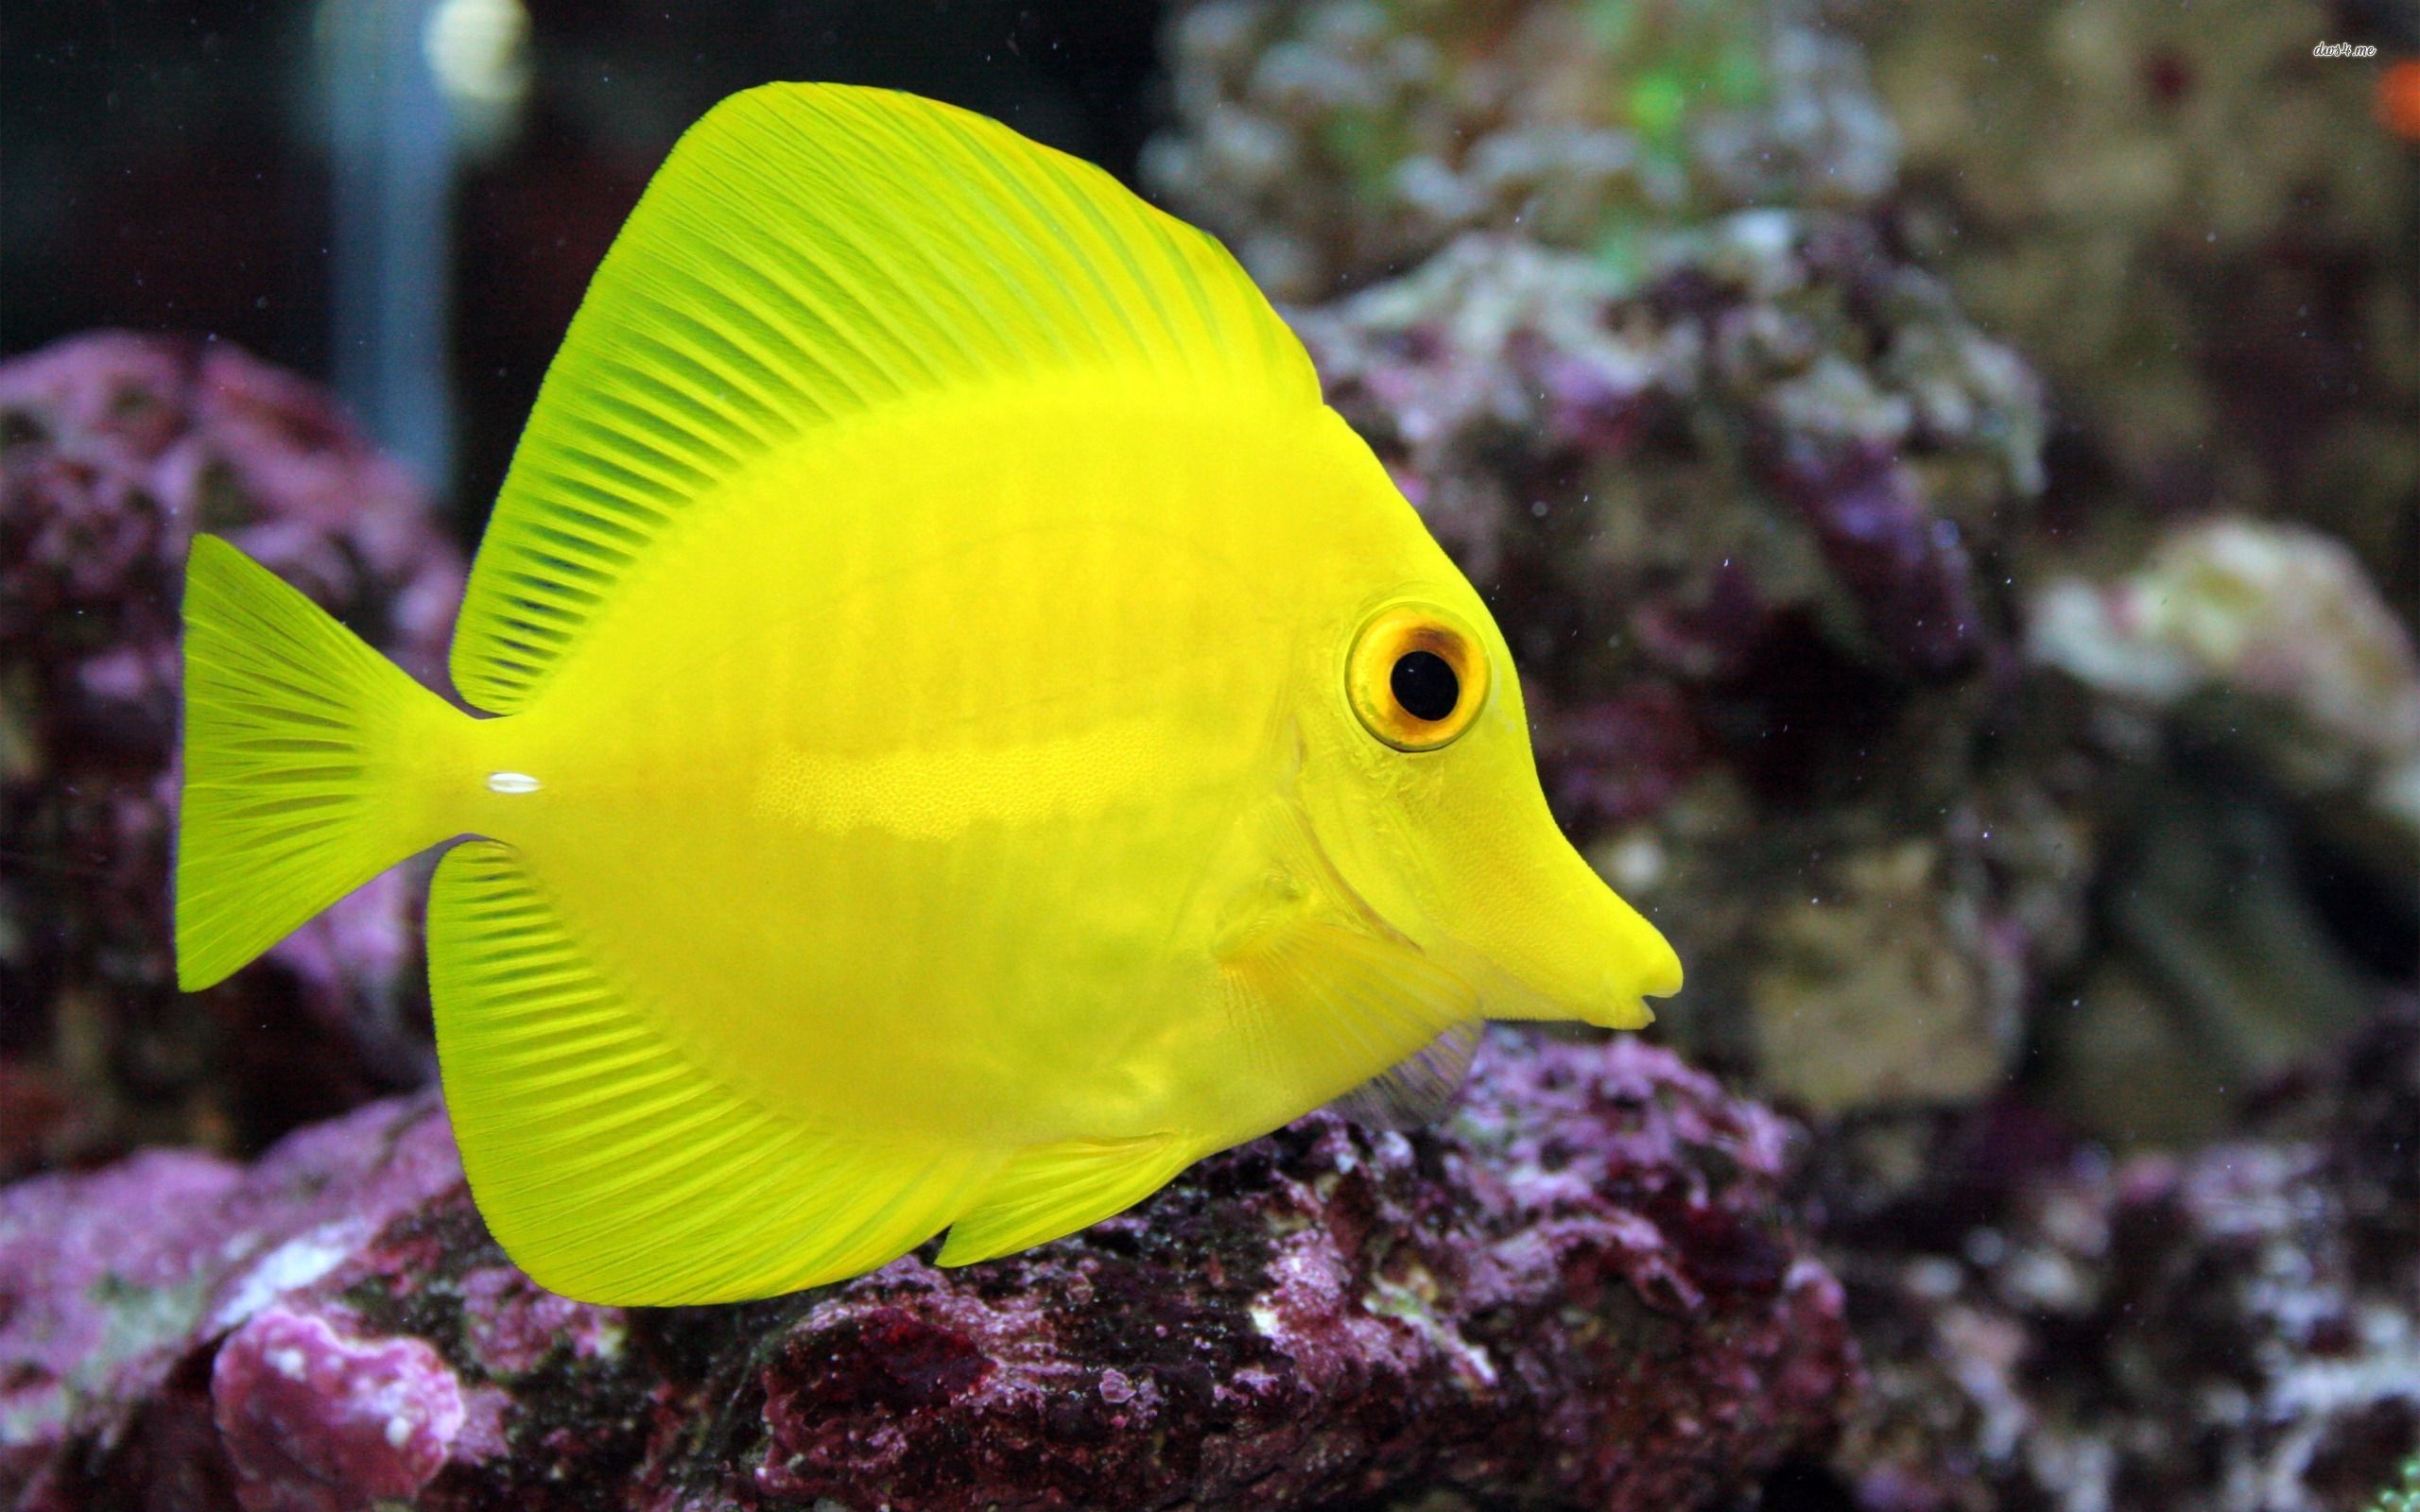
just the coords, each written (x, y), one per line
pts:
(809, 253)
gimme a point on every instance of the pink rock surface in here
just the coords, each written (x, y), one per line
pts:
(317, 1419)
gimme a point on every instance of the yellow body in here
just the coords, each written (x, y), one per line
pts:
(943, 809)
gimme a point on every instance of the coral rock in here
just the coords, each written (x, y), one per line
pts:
(2270, 636)
(315, 1419)
(1903, 568)
(2232, 1328)
(1335, 139)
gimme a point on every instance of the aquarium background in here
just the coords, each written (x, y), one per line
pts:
(1950, 475)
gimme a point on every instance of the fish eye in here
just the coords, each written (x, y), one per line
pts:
(1416, 677)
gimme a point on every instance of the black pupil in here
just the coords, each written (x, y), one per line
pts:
(1425, 685)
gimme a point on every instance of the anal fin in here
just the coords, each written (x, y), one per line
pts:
(610, 1164)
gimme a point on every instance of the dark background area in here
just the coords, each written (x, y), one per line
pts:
(166, 166)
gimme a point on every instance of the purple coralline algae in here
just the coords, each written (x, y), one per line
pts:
(1583, 1289)
(109, 1278)
(1542, 413)
(317, 1419)
(2237, 1329)
(113, 451)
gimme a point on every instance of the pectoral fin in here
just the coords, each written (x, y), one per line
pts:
(1339, 994)
(1357, 1003)
(1419, 1088)
(1329, 995)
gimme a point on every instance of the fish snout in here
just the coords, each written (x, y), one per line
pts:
(1577, 952)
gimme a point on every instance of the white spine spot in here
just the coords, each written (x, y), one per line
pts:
(512, 782)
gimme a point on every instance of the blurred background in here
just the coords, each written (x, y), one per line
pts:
(1951, 475)
(405, 199)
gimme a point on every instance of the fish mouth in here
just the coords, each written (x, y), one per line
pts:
(1652, 970)
(1620, 1004)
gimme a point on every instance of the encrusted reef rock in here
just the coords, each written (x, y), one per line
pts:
(2236, 1330)
(2269, 636)
(1580, 1291)
(1335, 141)
(2257, 703)
(113, 451)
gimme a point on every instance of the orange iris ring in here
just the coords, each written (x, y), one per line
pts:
(1387, 637)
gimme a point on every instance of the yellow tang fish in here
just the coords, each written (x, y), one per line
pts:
(975, 734)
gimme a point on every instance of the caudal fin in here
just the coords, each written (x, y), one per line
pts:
(309, 764)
